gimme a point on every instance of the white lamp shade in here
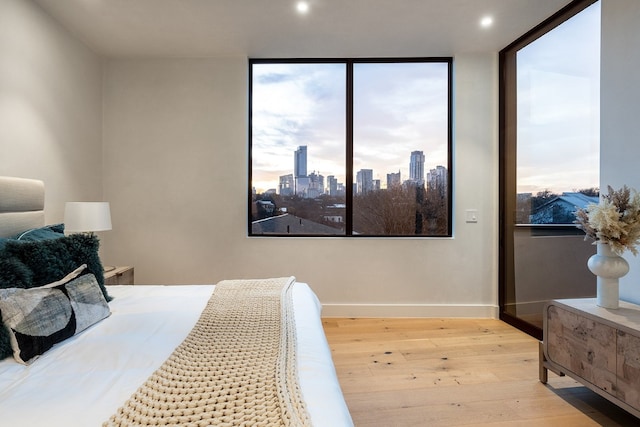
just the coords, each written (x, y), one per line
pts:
(80, 217)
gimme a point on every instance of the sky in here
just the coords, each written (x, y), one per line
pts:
(400, 108)
(559, 107)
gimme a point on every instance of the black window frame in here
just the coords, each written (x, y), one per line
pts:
(349, 177)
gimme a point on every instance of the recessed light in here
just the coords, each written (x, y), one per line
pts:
(486, 21)
(302, 7)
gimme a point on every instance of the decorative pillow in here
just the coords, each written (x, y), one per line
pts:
(5, 341)
(39, 318)
(48, 260)
(43, 233)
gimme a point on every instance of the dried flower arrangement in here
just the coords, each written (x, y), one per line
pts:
(615, 220)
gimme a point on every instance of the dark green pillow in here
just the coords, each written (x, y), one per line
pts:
(49, 260)
(42, 233)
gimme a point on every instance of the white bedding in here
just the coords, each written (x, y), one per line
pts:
(84, 380)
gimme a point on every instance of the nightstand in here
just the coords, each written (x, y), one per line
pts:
(119, 276)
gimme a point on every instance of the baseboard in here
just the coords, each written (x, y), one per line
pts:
(411, 310)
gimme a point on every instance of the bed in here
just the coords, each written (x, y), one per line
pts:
(144, 340)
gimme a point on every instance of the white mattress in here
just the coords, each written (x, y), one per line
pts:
(84, 380)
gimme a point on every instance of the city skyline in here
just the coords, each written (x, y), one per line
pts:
(298, 181)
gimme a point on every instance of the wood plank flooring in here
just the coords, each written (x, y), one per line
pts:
(455, 372)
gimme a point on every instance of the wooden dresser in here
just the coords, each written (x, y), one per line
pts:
(596, 346)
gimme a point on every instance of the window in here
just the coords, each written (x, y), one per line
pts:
(350, 147)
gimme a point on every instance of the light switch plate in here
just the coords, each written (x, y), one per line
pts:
(471, 215)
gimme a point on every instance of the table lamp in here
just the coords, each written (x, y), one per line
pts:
(87, 217)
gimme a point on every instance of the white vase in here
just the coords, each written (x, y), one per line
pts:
(608, 267)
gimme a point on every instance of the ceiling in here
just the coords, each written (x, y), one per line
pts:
(274, 29)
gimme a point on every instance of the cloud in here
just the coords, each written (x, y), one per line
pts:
(270, 78)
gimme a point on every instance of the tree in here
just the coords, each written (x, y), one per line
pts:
(591, 192)
(401, 210)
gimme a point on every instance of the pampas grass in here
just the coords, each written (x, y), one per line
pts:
(615, 220)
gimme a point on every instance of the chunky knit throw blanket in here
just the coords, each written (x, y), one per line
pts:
(237, 367)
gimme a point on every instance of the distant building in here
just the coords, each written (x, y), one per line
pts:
(300, 161)
(364, 181)
(416, 167)
(316, 185)
(335, 213)
(393, 179)
(561, 209)
(265, 208)
(302, 186)
(332, 185)
(285, 187)
(437, 180)
(301, 182)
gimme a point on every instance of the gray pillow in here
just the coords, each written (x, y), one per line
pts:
(39, 318)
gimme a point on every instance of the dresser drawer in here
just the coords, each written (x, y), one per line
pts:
(583, 346)
(596, 346)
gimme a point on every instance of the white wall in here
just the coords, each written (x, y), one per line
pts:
(620, 110)
(175, 172)
(50, 107)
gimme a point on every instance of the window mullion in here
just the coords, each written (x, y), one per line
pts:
(349, 151)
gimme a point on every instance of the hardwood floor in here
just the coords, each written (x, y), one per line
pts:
(455, 372)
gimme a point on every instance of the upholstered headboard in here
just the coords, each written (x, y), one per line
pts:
(21, 205)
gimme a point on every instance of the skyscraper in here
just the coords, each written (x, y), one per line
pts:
(300, 162)
(332, 185)
(300, 171)
(416, 167)
(364, 181)
(316, 185)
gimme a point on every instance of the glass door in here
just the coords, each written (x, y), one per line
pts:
(549, 144)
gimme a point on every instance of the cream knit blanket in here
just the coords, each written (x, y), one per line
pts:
(237, 367)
